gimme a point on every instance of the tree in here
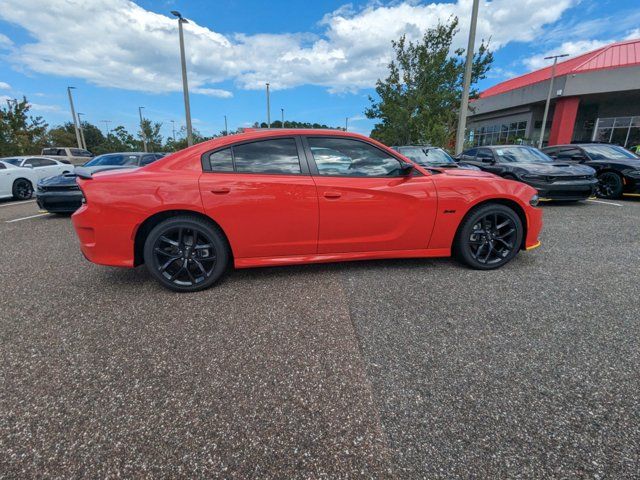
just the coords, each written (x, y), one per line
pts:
(181, 140)
(20, 133)
(419, 100)
(63, 136)
(152, 134)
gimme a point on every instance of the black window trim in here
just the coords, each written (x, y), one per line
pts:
(314, 168)
(302, 159)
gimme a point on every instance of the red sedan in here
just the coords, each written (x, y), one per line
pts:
(283, 197)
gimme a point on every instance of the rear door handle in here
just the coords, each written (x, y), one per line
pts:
(220, 190)
(331, 194)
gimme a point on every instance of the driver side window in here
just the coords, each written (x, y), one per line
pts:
(345, 157)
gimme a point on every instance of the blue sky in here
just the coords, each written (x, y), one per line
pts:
(322, 58)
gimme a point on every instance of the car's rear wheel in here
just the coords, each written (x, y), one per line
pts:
(610, 185)
(186, 254)
(22, 189)
(489, 237)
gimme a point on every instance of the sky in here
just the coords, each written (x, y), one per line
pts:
(322, 58)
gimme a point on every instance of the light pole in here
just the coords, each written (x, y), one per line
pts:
(546, 105)
(185, 83)
(466, 85)
(84, 144)
(268, 109)
(226, 128)
(346, 124)
(144, 135)
(75, 119)
(173, 130)
(282, 112)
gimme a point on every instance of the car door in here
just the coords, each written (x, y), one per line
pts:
(261, 194)
(367, 203)
(6, 180)
(43, 167)
(487, 162)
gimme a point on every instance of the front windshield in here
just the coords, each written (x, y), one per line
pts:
(426, 156)
(113, 159)
(12, 161)
(603, 152)
(522, 155)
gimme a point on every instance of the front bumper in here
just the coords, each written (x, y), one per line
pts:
(59, 201)
(565, 189)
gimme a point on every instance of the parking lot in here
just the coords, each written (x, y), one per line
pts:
(405, 369)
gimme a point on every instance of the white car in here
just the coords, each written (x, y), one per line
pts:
(43, 167)
(16, 182)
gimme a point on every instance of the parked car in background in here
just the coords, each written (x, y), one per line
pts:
(60, 194)
(617, 169)
(555, 181)
(43, 167)
(283, 197)
(431, 157)
(75, 156)
(16, 182)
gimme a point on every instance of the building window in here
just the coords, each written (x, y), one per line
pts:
(500, 134)
(623, 131)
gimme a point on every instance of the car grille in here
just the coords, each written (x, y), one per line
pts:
(569, 178)
(58, 188)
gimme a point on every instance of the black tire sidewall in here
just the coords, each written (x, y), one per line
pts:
(15, 185)
(462, 249)
(217, 238)
(620, 185)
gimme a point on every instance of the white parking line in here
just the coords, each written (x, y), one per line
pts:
(16, 203)
(606, 203)
(27, 218)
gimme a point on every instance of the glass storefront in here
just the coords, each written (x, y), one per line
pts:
(623, 131)
(499, 134)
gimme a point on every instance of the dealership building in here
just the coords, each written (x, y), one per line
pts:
(595, 97)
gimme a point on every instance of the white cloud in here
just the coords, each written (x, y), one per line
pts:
(5, 41)
(5, 86)
(39, 107)
(125, 46)
(572, 48)
(633, 34)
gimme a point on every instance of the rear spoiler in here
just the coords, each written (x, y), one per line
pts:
(86, 173)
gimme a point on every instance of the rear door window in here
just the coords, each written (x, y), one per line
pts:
(277, 156)
(221, 161)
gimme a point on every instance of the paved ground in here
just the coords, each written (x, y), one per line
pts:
(398, 369)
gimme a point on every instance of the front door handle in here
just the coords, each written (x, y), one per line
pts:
(220, 190)
(331, 194)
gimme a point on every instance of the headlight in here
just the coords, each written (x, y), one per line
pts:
(534, 201)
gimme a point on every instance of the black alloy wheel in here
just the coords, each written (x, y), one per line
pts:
(22, 189)
(489, 237)
(186, 254)
(610, 185)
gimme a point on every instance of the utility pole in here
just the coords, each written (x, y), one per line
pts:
(144, 135)
(226, 129)
(173, 129)
(346, 124)
(268, 109)
(106, 126)
(84, 144)
(185, 83)
(75, 119)
(464, 101)
(546, 105)
(282, 111)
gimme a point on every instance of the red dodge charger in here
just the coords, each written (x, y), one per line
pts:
(283, 197)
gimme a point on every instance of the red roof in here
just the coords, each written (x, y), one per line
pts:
(616, 55)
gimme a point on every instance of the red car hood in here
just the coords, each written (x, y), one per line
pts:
(461, 172)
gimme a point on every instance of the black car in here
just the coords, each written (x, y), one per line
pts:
(61, 194)
(617, 169)
(431, 157)
(553, 180)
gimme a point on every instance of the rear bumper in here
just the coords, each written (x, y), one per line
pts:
(59, 202)
(566, 190)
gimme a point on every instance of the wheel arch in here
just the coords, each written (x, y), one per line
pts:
(145, 228)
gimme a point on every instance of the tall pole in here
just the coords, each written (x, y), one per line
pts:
(106, 126)
(185, 83)
(282, 112)
(464, 101)
(75, 119)
(268, 109)
(84, 143)
(546, 105)
(173, 130)
(144, 135)
(346, 124)
(226, 128)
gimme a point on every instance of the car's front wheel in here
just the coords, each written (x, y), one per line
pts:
(610, 185)
(186, 254)
(489, 237)
(22, 189)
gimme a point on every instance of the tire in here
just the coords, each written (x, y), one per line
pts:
(610, 185)
(488, 237)
(186, 253)
(22, 189)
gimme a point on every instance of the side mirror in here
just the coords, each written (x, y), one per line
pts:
(487, 160)
(406, 168)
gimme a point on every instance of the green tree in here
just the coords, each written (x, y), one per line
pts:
(419, 100)
(181, 140)
(21, 133)
(152, 133)
(63, 136)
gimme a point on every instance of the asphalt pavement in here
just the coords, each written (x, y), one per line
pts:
(386, 369)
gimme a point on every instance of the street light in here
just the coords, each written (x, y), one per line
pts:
(144, 135)
(84, 144)
(346, 124)
(546, 105)
(185, 83)
(226, 129)
(282, 111)
(173, 129)
(464, 101)
(75, 119)
(268, 109)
